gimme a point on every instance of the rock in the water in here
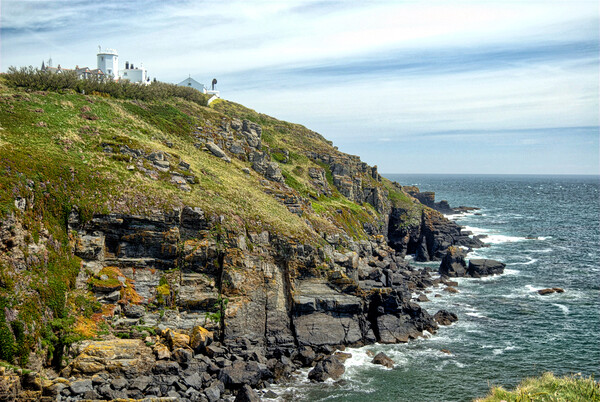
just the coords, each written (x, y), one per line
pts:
(484, 267)
(444, 317)
(247, 394)
(383, 359)
(453, 264)
(422, 298)
(548, 291)
(330, 367)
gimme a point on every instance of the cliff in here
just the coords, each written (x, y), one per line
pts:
(123, 217)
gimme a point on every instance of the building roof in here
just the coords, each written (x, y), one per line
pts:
(190, 82)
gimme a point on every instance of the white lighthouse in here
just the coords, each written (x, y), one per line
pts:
(108, 62)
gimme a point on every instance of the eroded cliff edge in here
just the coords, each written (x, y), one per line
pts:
(137, 215)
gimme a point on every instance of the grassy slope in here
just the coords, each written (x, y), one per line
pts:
(548, 388)
(45, 139)
(299, 141)
(52, 153)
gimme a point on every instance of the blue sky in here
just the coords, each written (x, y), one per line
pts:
(413, 87)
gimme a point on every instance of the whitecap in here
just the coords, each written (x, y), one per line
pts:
(541, 250)
(497, 239)
(531, 261)
(564, 308)
(476, 315)
(475, 230)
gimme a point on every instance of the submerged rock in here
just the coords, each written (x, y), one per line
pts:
(383, 359)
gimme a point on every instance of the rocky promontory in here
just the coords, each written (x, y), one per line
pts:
(167, 249)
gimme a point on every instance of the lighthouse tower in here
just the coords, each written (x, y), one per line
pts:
(108, 62)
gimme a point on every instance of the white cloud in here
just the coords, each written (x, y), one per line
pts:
(328, 65)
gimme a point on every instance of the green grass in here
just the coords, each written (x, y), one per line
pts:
(548, 388)
(53, 150)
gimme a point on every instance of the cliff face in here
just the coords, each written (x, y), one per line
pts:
(280, 293)
(121, 214)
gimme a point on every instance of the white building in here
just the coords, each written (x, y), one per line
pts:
(134, 74)
(108, 62)
(192, 83)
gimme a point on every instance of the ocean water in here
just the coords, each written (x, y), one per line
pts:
(546, 229)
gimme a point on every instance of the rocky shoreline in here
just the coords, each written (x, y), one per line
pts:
(180, 303)
(281, 324)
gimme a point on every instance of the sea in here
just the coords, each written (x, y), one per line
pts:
(546, 229)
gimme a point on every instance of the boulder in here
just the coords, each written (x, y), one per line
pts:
(484, 267)
(176, 339)
(444, 317)
(453, 264)
(213, 393)
(548, 291)
(383, 359)
(81, 386)
(330, 367)
(306, 355)
(216, 151)
(182, 355)
(422, 298)
(130, 357)
(200, 338)
(161, 351)
(247, 394)
(240, 373)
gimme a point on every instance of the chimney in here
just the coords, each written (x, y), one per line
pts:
(126, 65)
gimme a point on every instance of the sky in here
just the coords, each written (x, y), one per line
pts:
(493, 87)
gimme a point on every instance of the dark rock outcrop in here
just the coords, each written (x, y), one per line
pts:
(330, 367)
(383, 359)
(454, 264)
(548, 291)
(484, 267)
(444, 317)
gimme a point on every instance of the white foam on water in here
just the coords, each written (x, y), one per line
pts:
(531, 261)
(498, 239)
(499, 351)
(360, 357)
(476, 231)
(542, 250)
(564, 308)
(544, 237)
(476, 315)
(455, 217)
